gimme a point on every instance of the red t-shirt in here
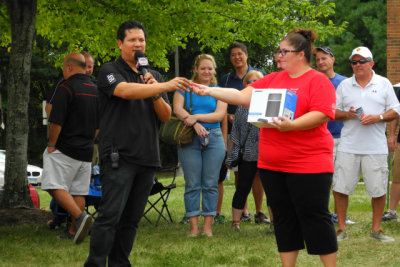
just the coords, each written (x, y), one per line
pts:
(306, 151)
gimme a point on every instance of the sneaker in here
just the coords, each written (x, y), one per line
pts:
(185, 220)
(261, 218)
(219, 219)
(82, 227)
(389, 216)
(341, 235)
(66, 235)
(380, 236)
(245, 217)
(335, 220)
(235, 226)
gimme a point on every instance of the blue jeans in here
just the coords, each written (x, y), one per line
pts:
(124, 196)
(201, 168)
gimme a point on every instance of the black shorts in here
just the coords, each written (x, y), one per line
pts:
(300, 205)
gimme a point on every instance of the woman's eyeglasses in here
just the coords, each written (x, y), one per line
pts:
(361, 61)
(284, 52)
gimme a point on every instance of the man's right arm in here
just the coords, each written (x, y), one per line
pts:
(127, 90)
(345, 115)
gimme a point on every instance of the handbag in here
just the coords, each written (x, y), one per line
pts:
(174, 131)
(235, 162)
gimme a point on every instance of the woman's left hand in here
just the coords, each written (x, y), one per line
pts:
(282, 124)
(200, 130)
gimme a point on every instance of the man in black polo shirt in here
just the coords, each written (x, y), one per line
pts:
(132, 107)
(74, 123)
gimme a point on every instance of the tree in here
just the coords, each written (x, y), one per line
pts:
(366, 26)
(215, 24)
(91, 25)
(22, 20)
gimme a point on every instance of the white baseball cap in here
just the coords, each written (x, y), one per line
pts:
(362, 51)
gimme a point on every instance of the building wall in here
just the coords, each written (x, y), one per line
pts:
(393, 41)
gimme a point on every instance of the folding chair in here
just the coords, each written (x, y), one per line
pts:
(163, 194)
(94, 196)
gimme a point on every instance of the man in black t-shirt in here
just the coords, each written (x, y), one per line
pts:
(74, 123)
(131, 106)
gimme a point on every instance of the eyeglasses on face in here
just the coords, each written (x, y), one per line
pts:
(283, 52)
(361, 61)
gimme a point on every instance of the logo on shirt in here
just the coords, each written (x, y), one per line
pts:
(111, 79)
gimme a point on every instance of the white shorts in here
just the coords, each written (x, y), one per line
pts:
(63, 172)
(348, 168)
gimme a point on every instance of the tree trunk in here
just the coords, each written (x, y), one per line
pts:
(22, 15)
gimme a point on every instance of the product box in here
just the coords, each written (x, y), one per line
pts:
(270, 103)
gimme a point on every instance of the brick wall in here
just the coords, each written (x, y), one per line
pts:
(393, 41)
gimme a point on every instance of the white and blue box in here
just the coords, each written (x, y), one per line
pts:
(270, 103)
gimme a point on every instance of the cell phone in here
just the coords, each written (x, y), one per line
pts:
(114, 156)
(205, 141)
(360, 113)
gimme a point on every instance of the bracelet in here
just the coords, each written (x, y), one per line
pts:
(156, 97)
(48, 145)
(194, 123)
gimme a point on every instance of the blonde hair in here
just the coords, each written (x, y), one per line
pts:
(197, 61)
(258, 74)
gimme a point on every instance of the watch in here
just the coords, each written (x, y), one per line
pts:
(381, 117)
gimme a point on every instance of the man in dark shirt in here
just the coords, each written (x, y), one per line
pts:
(132, 107)
(74, 123)
(238, 55)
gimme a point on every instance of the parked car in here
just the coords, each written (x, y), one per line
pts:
(34, 173)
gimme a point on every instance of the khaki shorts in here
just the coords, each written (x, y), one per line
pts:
(63, 172)
(348, 168)
(396, 165)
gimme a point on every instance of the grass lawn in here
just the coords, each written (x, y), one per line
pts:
(167, 245)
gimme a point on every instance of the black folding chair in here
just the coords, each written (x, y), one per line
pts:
(92, 199)
(163, 194)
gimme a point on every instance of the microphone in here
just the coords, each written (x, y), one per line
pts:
(141, 62)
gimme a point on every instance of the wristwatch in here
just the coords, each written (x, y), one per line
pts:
(381, 117)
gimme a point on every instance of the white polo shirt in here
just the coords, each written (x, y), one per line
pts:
(376, 98)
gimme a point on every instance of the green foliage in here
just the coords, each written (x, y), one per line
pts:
(92, 25)
(366, 26)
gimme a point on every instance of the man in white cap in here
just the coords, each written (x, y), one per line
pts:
(364, 102)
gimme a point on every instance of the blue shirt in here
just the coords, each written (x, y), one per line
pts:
(202, 105)
(231, 80)
(335, 127)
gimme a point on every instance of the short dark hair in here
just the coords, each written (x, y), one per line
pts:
(238, 45)
(127, 25)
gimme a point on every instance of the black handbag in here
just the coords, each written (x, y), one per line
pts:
(174, 131)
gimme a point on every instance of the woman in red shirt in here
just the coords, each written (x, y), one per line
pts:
(296, 157)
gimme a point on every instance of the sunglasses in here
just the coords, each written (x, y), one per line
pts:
(361, 61)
